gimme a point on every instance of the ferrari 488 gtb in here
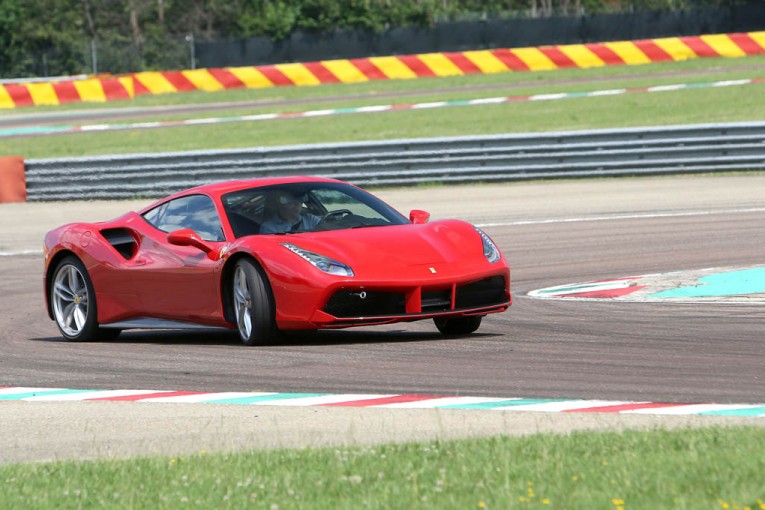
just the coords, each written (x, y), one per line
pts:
(270, 255)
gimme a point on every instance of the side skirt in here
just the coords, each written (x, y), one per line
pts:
(152, 323)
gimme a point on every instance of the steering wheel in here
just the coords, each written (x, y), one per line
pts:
(333, 216)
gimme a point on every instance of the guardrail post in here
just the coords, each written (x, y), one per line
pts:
(12, 183)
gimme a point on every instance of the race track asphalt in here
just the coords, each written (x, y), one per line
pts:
(553, 233)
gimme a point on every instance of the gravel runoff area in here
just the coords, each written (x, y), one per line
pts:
(45, 431)
(41, 431)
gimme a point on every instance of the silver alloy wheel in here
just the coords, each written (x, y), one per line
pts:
(243, 303)
(70, 300)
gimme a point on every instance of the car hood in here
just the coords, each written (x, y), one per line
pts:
(382, 251)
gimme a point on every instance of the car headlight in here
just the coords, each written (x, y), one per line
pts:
(326, 264)
(490, 250)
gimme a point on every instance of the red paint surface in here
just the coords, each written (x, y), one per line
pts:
(653, 51)
(558, 58)
(179, 81)
(19, 94)
(368, 69)
(323, 74)
(747, 44)
(606, 54)
(605, 294)
(699, 47)
(226, 78)
(66, 92)
(623, 407)
(148, 396)
(275, 76)
(463, 63)
(510, 60)
(398, 399)
(417, 66)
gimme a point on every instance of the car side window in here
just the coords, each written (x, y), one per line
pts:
(196, 212)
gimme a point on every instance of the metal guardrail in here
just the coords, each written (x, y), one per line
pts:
(593, 153)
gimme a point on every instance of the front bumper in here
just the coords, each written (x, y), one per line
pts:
(368, 305)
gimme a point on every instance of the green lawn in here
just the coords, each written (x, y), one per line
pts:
(682, 469)
(639, 109)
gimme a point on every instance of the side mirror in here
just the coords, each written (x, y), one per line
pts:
(187, 237)
(418, 217)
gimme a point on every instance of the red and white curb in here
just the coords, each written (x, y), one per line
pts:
(383, 401)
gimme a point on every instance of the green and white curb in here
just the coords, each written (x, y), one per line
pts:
(737, 285)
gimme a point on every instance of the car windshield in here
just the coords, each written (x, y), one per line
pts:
(305, 207)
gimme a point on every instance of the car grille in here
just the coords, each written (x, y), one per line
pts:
(364, 303)
(352, 303)
(486, 292)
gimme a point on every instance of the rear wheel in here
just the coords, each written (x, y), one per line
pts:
(253, 305)
(73, 301)
(455, 326)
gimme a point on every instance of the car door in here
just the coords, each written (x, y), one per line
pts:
(178, 282)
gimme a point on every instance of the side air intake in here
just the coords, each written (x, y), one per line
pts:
(122, 241)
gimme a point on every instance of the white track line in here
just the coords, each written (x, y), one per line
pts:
(613, 217)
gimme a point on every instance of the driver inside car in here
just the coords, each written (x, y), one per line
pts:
(289, 215)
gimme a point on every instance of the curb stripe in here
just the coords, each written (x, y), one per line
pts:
(511, 60)
(747, 43)
(42, 394)
(652, 51)
(535, 59)
(701, 48)
(606, 54)
(384, 401)
(345, 71)
(147, 395)
(321, 72)
(298, 74)
(226, 78)
(618, 408)
(98, 89)
(404, 401)
(178, 81)
(275, 76)
(47, 130)
(417, 66)
(202, 79)
(251, 77)
(558, 57)
(368, 68)
(463, 63)
(745, 411)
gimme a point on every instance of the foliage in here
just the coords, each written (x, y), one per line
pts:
(51, 37)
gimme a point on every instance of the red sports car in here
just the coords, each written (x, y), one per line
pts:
(268, 255)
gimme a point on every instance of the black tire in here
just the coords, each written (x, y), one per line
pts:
(457, 326)
(73, 302)
(253, 304)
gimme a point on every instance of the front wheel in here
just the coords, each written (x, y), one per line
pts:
(253, 305)
(455, 326)
(73, 301)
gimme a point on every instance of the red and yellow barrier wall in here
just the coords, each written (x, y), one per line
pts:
(102, 89)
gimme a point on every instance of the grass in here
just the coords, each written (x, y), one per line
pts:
(681, 469)
(639, 109)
